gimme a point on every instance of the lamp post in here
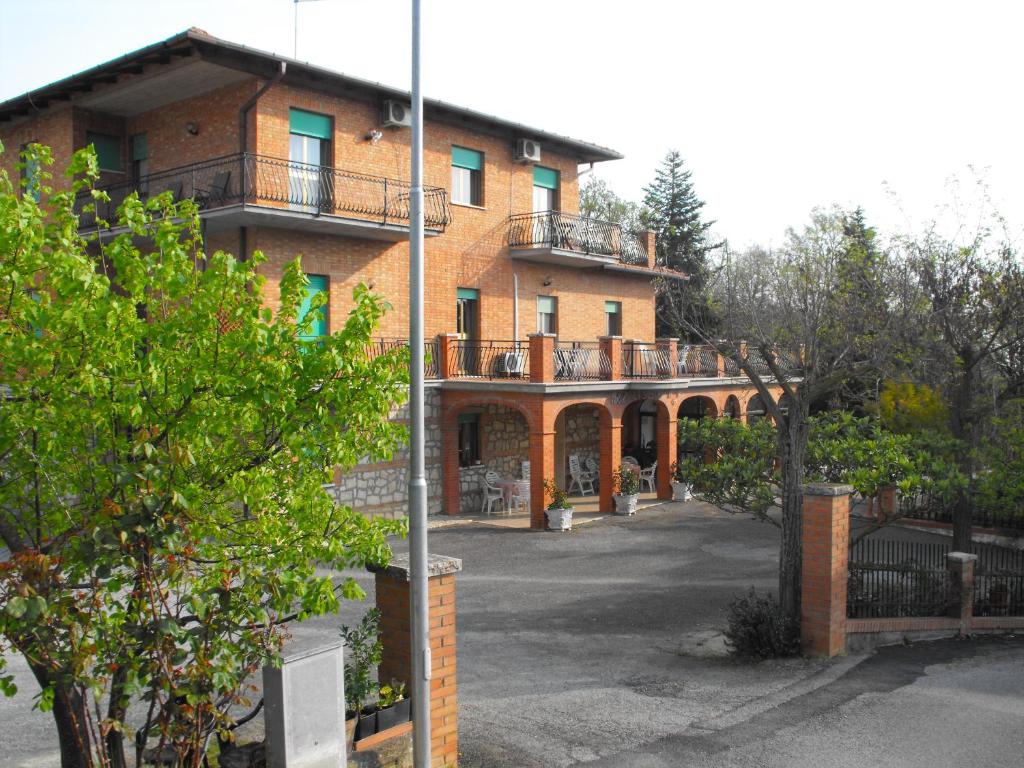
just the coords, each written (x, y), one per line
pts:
(419, 618)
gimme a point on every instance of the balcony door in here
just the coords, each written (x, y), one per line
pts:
(545, 203)
(467, 325)
(308, 157)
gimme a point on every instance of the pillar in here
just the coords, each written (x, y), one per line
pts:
(451, 489)
(668, 447)
(887, 502)
(446, 343)
(393, 601)
(668, 350)
(826, 541)
(961, 567)
(611, 346)
(542, 357)
(650, 242)
(542, 467)
(611, 457)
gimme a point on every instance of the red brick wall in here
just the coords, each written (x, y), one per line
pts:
(52, 128)
(826, 539)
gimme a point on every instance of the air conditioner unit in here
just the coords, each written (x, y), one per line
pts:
(395, 113)
(527, 151)
(511, 363)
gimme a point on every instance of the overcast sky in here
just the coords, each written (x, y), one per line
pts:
(776, 106)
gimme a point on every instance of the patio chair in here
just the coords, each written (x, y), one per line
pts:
(594, 470)
(521, 497)
(217, 193)
(647, 477)
(525, 470)
(630, 460)
(492, 493)
(580, 478)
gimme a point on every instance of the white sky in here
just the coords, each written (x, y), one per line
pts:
(776, 106)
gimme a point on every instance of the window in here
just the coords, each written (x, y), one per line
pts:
(547, 314)
(140, 160)
(613, 311)
(108, 150)
(545, 189)
(467, 176)
(318, 328)
(469, 439)
(309, 143)
(30, 174)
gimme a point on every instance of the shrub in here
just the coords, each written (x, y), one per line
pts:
(364, 651)
(758, 630)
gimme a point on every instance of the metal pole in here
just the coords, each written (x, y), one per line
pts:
(419, 619)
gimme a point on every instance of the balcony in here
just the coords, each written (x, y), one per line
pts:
(252, 190)
(552, 237)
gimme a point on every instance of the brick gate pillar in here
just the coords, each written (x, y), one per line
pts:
(451, 491)
(961, 566)
(826, 541)
(668, 448)
(393, 592)
(611, 457)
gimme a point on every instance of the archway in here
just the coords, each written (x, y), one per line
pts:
(693, 409)
(732, 407)
(640, 431)
(756, 409)
(489, 436)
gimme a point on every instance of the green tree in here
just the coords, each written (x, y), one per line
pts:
(599, 201)
(164, 437)
(672, 210)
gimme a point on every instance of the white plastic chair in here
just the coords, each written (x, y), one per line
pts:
(594, 470)
(492, 494)
(525, 471)
(647, 476)
(580, 479)
(521, 497)
(631, 461)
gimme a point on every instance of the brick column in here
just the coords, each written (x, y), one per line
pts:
(649, 239)
(826, 541)
(668, 445)
(611, 346)
(542, 467)
(961, 571)
(542, 357)
(393, 600)
(721, 364)
(451, 489)
(668, 351)
(887, 502)
(446, 343)
(610, 457)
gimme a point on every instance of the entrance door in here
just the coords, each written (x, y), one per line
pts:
(467, 325)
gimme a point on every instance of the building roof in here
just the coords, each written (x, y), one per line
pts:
(252, 62)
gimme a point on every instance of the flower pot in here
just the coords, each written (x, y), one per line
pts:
(559, 519)
(396, 714)
(626, 504)
(681, 491)
(367, 725)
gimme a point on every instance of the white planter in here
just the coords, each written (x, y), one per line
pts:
(681, 492)
(559, 519)
(625, 505)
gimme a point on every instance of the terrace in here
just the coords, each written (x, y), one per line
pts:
(553, 237)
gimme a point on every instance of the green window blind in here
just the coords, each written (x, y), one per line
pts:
(108, 150)
(545, 177)
(309, 124)
(317, 286)
(467, 293)
(546, 305)
(467, 158)
(611, 307)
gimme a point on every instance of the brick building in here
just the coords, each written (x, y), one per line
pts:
(540, 322)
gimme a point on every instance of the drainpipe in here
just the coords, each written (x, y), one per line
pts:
(515, 309)
(243, 124)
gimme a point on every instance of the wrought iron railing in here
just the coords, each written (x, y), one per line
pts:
(430, 353)
(891, 579)
(645, 360)
(284, 184)
(553, 229)
(697, 360)
(581, 361)
(999, 583)
(489, 359)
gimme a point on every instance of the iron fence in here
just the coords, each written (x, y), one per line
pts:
(277, 183)
(894, 579)
(581, 361)
(430, 353)
(554, 229)
(999, 583)
(697, 360)
(489, 359)
(644, 360)
(929, 504)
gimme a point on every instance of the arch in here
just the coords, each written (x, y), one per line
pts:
(453, 409)
(756, 409)
(732, 407)
(698, 407)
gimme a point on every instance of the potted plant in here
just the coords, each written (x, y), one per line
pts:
(363, 654)
(627, 490)
(559, 511)
(393, 707)
(680, 483)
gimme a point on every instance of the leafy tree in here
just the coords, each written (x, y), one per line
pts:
(672, 210)
(598, 201)
(163, 439)
(911, 409)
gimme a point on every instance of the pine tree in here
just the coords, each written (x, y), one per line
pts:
(673, 211)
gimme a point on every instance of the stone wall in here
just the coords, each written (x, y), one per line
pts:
(504, 446)
(582, 435)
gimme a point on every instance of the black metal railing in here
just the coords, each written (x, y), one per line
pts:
(999, 583)
(697, 360)
(893, 579)
(645, 360)
(430, 353)
(284, 184)
(553, 229)
(489, 359)
(930, 504)
(581, 361)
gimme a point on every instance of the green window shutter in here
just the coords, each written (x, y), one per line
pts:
(545, 177)
(140, 147)
(317, 286)
(467, 293)
(309, 124)
(467, 158)
(108, 150)
(546, 304)
(611, 307)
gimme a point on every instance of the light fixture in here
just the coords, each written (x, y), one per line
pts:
(547, 281)
(374, 136)
(192, 129)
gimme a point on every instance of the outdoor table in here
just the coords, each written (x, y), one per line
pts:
(508, 488)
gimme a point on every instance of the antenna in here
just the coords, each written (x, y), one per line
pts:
(295, 26)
